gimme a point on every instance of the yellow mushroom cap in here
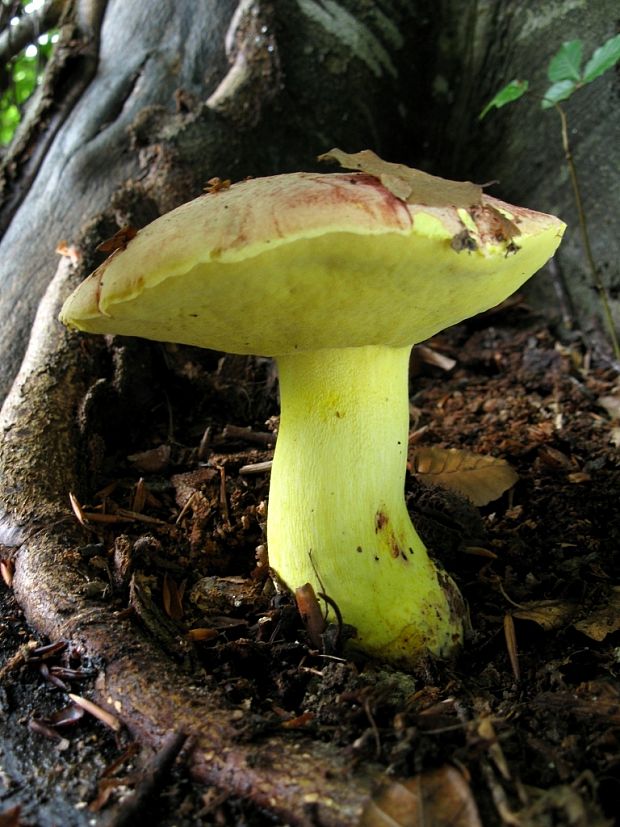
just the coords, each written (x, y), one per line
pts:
(307, 261)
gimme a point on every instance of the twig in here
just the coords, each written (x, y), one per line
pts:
(131, 808)
(256, 468)
(265, 438)
(585, 235)
(20, 657)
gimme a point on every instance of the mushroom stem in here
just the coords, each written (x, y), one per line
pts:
(337, 515)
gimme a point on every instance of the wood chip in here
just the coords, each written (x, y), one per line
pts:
(102, 715)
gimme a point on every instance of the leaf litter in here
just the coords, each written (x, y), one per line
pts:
(523, 729)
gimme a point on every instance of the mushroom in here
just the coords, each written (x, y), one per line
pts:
(336, 276)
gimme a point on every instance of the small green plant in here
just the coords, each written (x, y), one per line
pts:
(567, 76)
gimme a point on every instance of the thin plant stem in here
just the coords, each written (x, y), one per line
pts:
(585, 236)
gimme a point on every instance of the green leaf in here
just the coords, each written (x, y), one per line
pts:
(565, 63)
(9, 118)
(558, 92)
(602, 59)
(511, 92)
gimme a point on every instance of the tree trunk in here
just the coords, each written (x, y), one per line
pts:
(483, 46)
(187, 91)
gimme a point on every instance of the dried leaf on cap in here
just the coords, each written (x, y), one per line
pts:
(411, 185)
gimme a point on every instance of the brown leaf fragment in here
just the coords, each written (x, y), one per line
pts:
(511, 645)
(216, 184)
(7, 570)
(63, 248)
(436, 798)
(172, 596)
(299, 722)
(411, 185)
(202, 634)
(153, 460)
(42, 728)
(139, 496)
(189, 483)
(479, 477)
(118, 241)
(10, 817)
(67, 716)
(479, 551)
(578, 477)
(311, 614)
(550, 614)
(604, 620)
(49, 650)
(102, 715)
(78, 510)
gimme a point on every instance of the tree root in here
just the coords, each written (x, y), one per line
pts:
(299, 780)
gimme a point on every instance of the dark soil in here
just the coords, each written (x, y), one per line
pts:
(529, 713)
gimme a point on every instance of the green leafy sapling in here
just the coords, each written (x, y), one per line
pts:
(567, 76)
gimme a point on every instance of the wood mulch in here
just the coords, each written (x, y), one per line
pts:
(522, 729)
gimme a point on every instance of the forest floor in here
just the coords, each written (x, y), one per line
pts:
(528, 715)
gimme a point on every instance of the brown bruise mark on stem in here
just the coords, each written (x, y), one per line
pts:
(382, 524)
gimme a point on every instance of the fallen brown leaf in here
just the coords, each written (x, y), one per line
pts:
(436, 798)
(604, 620)
(550, 614)
(479, 477)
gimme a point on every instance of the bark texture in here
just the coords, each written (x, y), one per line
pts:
(185, 91)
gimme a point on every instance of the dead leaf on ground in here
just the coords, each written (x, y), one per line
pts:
(411, 185)
(550, 614)
(480, 478)
(437, 798)
(604, 620)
